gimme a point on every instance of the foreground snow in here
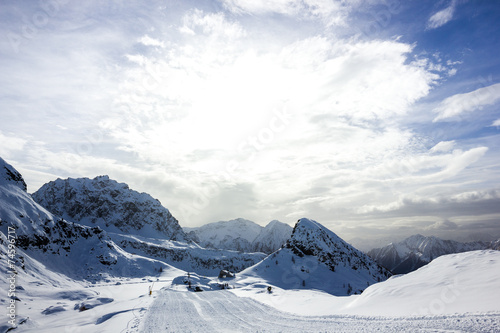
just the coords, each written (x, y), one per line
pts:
(223, 311)
(458, 293)
(457, 283)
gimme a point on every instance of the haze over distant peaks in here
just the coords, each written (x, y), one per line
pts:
(241, 235)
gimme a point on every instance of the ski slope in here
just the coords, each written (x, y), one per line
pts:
(223, 311)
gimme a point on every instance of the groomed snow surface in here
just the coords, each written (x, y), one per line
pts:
(457, 293)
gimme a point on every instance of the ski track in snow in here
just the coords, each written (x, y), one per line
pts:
(223, 311)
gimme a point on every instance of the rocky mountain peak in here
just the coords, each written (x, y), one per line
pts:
(111, 205)
(9, 175)
(311, 238)
(315, 257)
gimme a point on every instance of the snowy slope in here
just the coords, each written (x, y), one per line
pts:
(416, 251)
(451, 286)
(188, 256)
(241, 235)
(316, 258)
(393, 306)
(112, 206)
(455, 283)
(223, 311)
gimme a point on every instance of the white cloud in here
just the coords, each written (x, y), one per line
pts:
(214, 24)
(442, 225)
(148, 41)
(458, 104)
(10, 143)
(496, 123)
(208, 103)
(443, 146)
(333, 12)
(276, 115)
(442, 17)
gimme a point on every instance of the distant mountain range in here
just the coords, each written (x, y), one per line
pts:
(90, 229)
(241, 235)
(416, 251)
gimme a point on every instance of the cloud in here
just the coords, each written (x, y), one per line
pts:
(473, 203)
(496, 123)
(256, 109)
(148, 41)
(443, 146)
(443, 225)
(456, 105)
(214, 24)
(333, 12)
(442, 17)
(11, 143)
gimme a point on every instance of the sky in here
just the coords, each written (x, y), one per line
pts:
(378, 118)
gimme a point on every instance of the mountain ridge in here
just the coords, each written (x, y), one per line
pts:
(111, 205)
(241, 235)
(417, 250)
(314, 257)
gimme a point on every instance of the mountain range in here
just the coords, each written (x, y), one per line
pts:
(241, 235)
(416, 251)
(136, 223)
(92, 229)
(89, 267)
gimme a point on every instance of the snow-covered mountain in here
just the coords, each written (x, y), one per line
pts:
(272, 237)
(316, 258)
(417, 251)
(41, 239)
(112, 206)
(136, 223)
(236, 234)
(241, 235)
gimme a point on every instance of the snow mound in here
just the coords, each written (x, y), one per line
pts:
(455, 283)
(53, 309)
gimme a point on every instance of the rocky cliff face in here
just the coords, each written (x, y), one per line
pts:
(112, 206)
(416, 251)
